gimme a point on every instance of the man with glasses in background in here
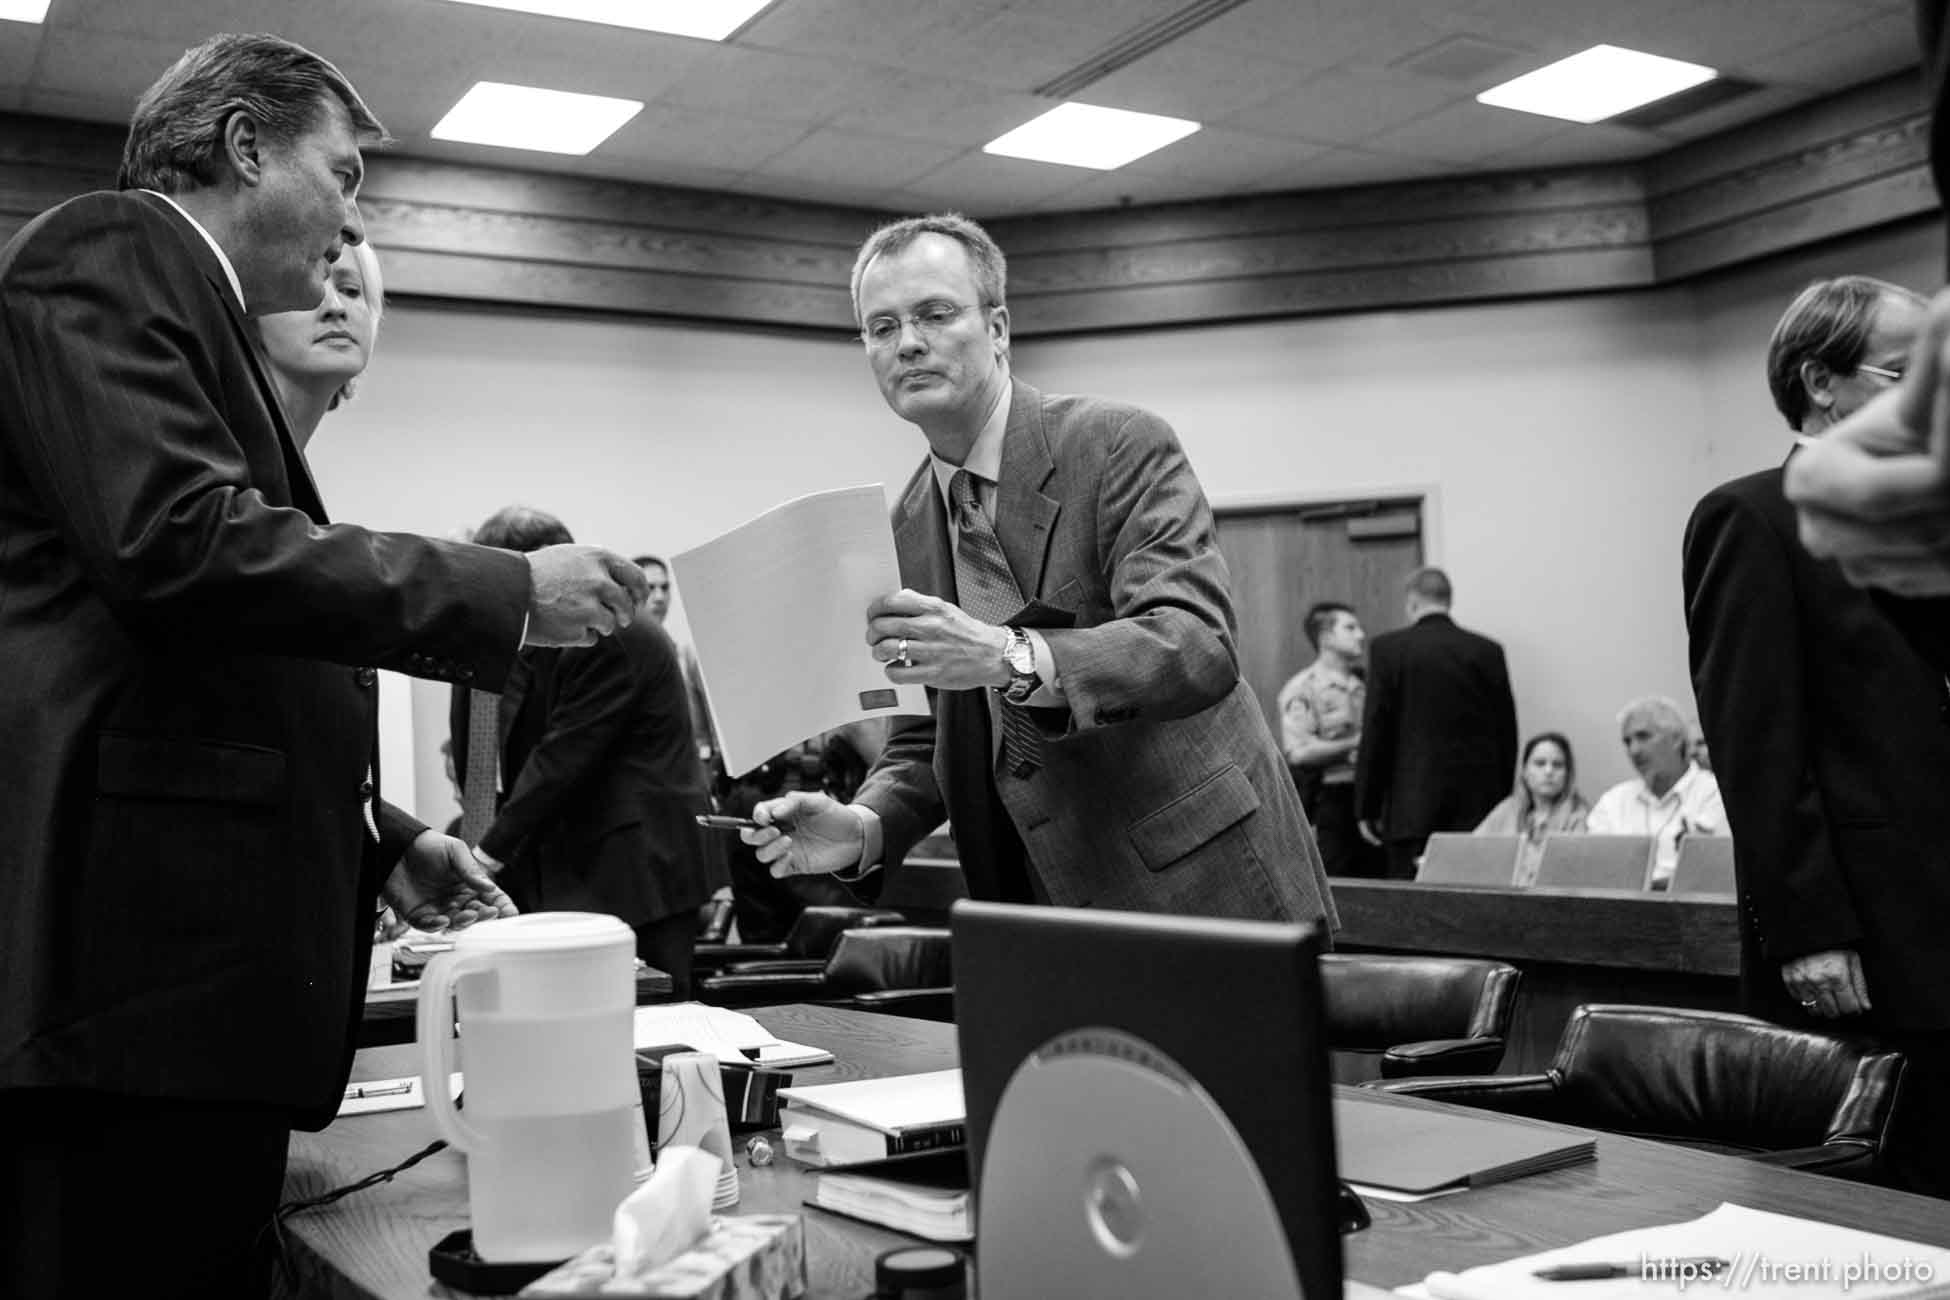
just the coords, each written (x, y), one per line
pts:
(1829, 739)
(1092, 742)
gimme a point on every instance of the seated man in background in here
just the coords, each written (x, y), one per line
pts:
(657, 573)
(1834, 755)
(1320, 730)
(601, 777)
(1671, 799)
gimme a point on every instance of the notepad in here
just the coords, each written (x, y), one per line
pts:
(1420, 1150)
(1768, 1257)
(925, 1194)
(728, 1035)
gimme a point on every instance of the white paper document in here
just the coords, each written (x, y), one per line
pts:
(778, 614)
(728, 1035)
(1753, 1254)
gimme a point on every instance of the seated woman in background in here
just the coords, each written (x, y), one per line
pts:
(1546, 802)
(316, 355)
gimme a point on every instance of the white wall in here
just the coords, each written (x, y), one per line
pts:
(1564, 442)
(643, 437)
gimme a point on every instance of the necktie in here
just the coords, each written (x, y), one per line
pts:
(987, 589)
(483, 749)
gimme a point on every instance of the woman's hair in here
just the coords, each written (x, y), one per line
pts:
(1525, 800)
(375, 290)
(1830, 322)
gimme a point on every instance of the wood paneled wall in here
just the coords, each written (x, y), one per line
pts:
(538, 239)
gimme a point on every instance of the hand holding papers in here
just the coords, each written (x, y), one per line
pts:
(777, 610)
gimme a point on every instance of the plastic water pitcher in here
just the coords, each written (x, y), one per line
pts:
(545, 1005)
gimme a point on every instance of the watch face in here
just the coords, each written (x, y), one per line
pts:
(1021, 655)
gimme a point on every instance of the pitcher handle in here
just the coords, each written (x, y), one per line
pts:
(435, 1027)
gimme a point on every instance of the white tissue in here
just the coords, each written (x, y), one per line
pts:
(669, 1214)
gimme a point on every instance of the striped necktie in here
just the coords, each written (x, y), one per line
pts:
(483, 750)
(986, 589)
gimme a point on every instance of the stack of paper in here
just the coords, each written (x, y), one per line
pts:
(1749, 1253)
(925, 1194)
(728, 1035)
(871, 1119)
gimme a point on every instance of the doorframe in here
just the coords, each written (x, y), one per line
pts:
(1430, 495)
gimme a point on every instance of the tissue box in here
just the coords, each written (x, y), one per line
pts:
(752, 1257)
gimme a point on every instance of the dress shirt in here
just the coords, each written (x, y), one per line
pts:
(1691, 806)
(229, 271)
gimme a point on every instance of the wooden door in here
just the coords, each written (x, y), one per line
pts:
(1284, 560)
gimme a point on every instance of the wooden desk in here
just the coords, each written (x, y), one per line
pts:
(374, 1243)
(390, 1012)
(1573, 947)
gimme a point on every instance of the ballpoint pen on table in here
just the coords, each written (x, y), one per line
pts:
(1693, 1269)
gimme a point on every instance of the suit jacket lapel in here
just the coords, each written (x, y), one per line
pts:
(921, 538)
(1025, 519)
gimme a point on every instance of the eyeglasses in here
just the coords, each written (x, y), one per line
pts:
(1881, 372)
(884, 332)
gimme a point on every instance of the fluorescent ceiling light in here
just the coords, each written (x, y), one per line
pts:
(710, 20)
(1078, 135)
(24, 11)
(526, 117)
(1602, 82)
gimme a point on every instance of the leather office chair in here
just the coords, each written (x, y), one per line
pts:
(1421, 1015)
(899, 970)
(805, 946)
(1704, 1079)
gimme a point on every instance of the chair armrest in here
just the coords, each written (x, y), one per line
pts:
(759, 990)
(1520, 1094)
(1442, 1056)
(715, 955)
(1845, 1158)
(776, 966)
(921, 1004)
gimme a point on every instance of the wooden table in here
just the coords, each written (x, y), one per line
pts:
(1572, 946)
(374, 1243)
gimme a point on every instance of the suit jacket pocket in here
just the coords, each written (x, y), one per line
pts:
(1167, 835)
(203, 771)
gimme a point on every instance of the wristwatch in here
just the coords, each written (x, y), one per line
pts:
(1019, 656)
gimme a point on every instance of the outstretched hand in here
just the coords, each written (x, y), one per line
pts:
(439, 886)
(581, 593)
(805, 834)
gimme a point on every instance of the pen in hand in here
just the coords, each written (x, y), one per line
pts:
(713, 822)
(1695, 1269)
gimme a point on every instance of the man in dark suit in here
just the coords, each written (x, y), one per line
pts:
(602, 778)
(1830, 739)
(1439, 732)
(191, 849)
(1067, 607)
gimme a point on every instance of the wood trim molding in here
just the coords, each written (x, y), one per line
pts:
(1845, 164)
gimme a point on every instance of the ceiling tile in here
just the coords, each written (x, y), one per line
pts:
(1228, 160)
(802, 190)
(1198, 82)
(1338, 167)
(1322, 34)
(1578, 145)
(922, 106)
(767, 83)
(1873, 47)
(1730, 34)
(982, 184)
(849, 158)
(1346, 107)
(1466, 133)
(1124, 188)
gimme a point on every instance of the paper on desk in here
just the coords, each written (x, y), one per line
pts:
(778, 614)
(1772, 1257)
(728, 1035)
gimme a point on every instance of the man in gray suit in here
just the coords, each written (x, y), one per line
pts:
(1067, 608)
